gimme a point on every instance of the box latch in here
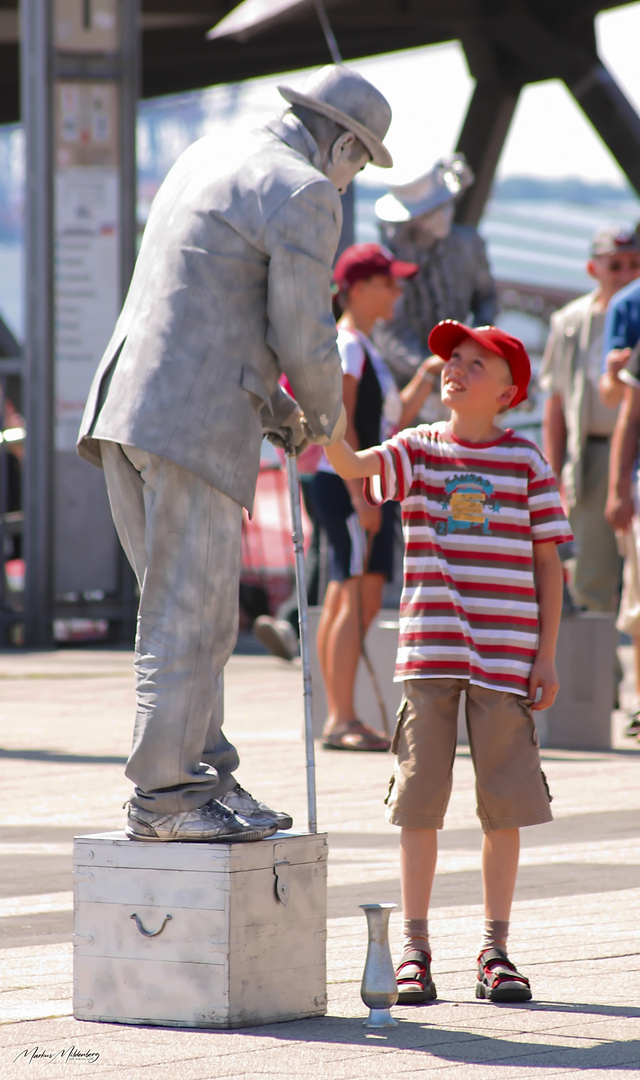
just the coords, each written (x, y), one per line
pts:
(281, 870)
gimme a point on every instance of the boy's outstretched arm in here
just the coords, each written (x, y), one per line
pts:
(351, 464)
(548, 577)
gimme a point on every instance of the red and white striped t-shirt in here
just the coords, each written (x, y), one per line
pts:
(471, 514)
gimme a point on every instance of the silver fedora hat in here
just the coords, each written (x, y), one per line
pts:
(448, 178)
(345, 97)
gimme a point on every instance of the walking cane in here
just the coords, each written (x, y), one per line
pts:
(303, 618)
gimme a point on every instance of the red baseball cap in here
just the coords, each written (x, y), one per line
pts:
(362, 261)
(447, 334)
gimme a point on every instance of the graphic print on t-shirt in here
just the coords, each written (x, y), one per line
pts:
(468, 500)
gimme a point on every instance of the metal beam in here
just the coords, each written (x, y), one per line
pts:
(613, 117)
(129, 95)
(481, 140)
(35, 17)
(124, 623)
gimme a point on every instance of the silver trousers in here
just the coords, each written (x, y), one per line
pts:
(183, 539)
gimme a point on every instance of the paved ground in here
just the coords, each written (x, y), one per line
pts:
(65, 721)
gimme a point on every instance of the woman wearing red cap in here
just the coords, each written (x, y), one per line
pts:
(361, 537)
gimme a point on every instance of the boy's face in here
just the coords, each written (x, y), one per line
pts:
(476, 380)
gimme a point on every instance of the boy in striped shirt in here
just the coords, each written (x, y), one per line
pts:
(480, 612)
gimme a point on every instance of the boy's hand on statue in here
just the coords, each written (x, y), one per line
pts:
(543, 677)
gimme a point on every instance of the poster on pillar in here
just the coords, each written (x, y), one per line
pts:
(86, 25)
(87, 286)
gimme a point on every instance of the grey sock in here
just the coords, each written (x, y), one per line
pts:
(496, 932)
(416, 935)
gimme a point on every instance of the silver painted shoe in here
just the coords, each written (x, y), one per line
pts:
(210, 823)
(255, 813)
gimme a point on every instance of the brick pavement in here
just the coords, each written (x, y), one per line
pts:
(65, 720)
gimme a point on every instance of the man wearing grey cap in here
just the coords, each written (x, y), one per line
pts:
(620, 385)
(453, 281)
(232, 288)
(577, 426)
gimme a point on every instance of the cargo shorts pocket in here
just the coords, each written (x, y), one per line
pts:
(546, 786)
(387, 798)
(525, 706)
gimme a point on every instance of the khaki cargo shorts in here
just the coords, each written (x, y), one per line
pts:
(511, 789)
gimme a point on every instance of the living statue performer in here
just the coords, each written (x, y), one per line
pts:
(232, 287)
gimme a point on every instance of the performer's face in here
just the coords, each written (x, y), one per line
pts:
(344, 162)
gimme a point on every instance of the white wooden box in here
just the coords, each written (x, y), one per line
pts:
(200, 935)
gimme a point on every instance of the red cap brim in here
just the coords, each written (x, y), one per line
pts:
(401, 269)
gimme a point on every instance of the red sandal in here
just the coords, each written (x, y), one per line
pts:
(413, 975)
(499, 979)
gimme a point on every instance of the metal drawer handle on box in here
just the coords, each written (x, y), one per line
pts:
(150, 933)
(281, 870)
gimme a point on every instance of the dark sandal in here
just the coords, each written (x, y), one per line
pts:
(499, 979)
(354, 735)
(413, 975)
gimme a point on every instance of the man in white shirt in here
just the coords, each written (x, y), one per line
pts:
(577, 426)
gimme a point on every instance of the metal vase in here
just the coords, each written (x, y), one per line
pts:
(379, 989)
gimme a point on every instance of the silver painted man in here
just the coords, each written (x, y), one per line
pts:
(231, 288)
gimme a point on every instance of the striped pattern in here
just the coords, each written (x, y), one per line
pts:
(471, 515)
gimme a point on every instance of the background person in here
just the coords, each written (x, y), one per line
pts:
(12, 461)
(621, 381)
(453, 280)
(577, 426)
(231, 288)
(360, 537)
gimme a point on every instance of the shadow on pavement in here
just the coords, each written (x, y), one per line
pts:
(589, 827)
(465, 886)
(465, 1046)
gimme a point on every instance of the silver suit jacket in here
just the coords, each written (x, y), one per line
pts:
(232, 287)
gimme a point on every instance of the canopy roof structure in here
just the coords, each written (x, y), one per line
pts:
(507, 43)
